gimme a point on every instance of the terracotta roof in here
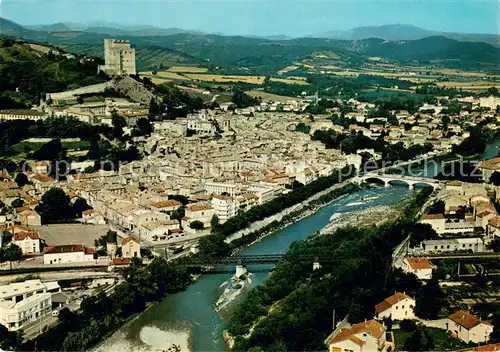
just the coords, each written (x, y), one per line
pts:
(127, 240)
(492, 164)
(221, 197)
(489, 348)
(88, 212)
(121, 261)
(432, 216)
(372, 327)
(67, 248)
(495, 222)
(166, 204)
(42, 178)
(390, 301)
(419, 263)
(466, 319)
(195, 207)
(21, 236)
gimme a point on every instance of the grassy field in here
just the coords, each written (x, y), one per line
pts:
(269, 96)
(468, 84)
(187, 69)
(226, 78)
(27, 147)
(290, 80)
(442, 340)
(164, 75)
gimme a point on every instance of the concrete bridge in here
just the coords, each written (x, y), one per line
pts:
(388, 179)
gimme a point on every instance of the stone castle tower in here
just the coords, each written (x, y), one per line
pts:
(119, 57)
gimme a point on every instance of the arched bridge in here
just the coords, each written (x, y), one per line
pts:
(387, 179)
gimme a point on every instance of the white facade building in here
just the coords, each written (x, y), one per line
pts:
(73, 253)
(225, 207)
(399, 306)
(22, 303)
(28, 242)
(468, 328)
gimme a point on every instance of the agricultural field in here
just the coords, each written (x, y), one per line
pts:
(269, 96)
(187, 69)
(226, 78)
(290, 80)
(166, 75)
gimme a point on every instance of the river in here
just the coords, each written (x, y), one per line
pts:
(188, 319)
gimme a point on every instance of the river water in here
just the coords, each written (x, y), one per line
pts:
(189, 320)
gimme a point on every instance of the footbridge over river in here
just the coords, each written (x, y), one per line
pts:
(389, 179)
(221, 264)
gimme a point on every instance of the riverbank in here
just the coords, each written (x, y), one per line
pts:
(290, 305)
(287, 218)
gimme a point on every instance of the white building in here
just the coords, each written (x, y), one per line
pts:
(22, 303)
(421, 267)
(29, 242)
(474, 244)
(399, 306)
(72, 253)
(468, 328)
(225, 207)
(131, 248)
(220, 188)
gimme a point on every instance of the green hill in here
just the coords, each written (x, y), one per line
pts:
(26, 73)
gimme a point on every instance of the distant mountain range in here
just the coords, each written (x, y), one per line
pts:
(391, 32)
(397, 32)
(109, 28)
(267, 54)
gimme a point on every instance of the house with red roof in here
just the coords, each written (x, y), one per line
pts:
(360, 337)
(65, 254)
(399, 306)
(468, 328)
(421, 267)
(29, 242)
(131, 248)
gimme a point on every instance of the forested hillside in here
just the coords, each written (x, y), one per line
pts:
(26, 73)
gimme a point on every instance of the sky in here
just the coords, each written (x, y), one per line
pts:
(263, 17)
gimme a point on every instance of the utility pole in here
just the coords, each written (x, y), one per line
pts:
(333, 318)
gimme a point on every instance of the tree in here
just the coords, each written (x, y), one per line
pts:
(429, 300)
(241, 99)
(495, 178)
(78, 207)
(9, 341)
(495, 245)
(17, 203)
(178, 214)
(196, 225)
(21, 180)
(393, 120)
(144, 127)
(421, 232)
(445, 121)
(118, 124)
(52, 150)
(419, 340)
(11, 253)
(437, 207)
(214, 223)
(54, 206)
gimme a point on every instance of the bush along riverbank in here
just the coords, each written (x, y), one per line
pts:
(291, 311)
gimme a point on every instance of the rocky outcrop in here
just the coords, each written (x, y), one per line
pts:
(133, 89)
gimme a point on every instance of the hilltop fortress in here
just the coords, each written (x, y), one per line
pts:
(119, 58)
